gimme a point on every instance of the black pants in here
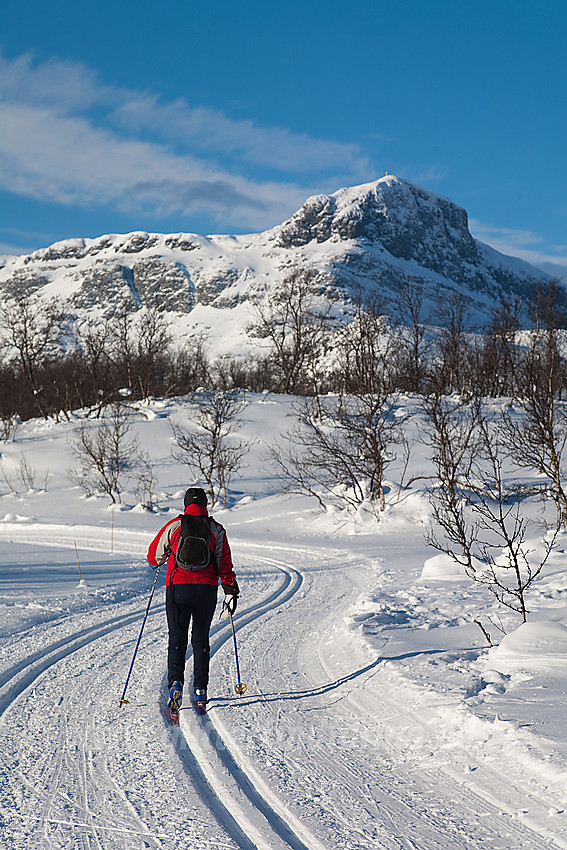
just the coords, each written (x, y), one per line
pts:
(183, 603)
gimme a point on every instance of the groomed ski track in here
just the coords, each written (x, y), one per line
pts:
(325, 750)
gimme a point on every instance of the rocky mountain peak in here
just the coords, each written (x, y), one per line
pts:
(410, 222)
(362, 237)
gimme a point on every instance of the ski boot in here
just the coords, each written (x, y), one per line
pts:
(174, 701)
(200, 698)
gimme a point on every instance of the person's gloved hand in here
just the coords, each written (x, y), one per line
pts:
(231, 592)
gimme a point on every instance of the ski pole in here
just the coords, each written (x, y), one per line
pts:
(123, 700)
(240, 687)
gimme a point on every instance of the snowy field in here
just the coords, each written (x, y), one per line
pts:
(376, 714)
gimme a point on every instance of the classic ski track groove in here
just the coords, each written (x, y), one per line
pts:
(20, 676)
(540, 837)
(16, 679)
(269, 804)
(232, 819)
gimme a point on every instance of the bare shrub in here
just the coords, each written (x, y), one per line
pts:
(481, 517)
(9, 424)
(145, 481)
(209, 447)
(26, 474)
(453, 439)
(106, 452)
(339, 449)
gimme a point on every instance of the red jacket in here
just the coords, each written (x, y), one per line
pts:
(164, 545)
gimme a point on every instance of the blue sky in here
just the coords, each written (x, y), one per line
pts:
(224, 117)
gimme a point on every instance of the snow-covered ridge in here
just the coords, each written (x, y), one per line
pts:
(362, 237)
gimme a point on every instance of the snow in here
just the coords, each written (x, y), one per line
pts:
(222, 275)
(376, 715)
(442, 567)
(538, 645)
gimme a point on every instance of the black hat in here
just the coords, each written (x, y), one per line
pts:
(195, 496)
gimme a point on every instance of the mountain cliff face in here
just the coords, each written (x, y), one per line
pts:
(359, 238)
(424, 235)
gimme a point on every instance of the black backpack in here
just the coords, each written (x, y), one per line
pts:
(194, 543)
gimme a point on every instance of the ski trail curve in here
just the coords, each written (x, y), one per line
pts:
(312, 756)
(20, 676)
(78, 772)
(215, 768)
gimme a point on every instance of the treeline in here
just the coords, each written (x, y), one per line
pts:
(49, 367)
(488, 461)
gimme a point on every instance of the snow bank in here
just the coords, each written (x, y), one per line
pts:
(15, 518)
(442, 568)
(533, 646)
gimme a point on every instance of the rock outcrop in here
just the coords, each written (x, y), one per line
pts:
(358, 239)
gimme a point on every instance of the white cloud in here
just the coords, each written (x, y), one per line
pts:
(207, 129)
(520, 243)
(67, 160)
(425, 175)
(7, 250)
(60, 85)
(69, 139)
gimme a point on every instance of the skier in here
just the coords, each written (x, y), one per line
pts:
(191, 591)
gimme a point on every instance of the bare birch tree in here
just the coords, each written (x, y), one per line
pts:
(294, 326)
(481, 517)
(33, 330)
(107, 453)
(209, 447)
(339, 450)
(536, 439)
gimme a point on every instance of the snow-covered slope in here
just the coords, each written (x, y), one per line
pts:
(362, 237)
(376, 715)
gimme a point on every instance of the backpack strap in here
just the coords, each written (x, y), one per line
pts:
(219, 538)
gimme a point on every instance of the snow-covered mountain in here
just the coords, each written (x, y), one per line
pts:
(360, 237)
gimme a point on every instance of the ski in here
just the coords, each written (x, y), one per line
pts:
(200, 700)
(168, 715)
(201, 707)
(174, 702)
